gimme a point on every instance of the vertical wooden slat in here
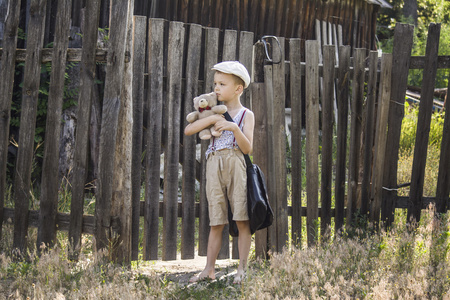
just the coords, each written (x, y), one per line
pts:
(327, 136)
(171, 154)
(312, 138)
(189, 145)
(380, 136)
(355, 131)
(279, 122)
(229, 45)
(110, 116)
(423, 123)
(271, 178)
(80, 163)
(245, 58)
(211, 55)
(121, 201)
(30, 97)
(296, 138)
(342, 124)
(403, 41)
(443, 183)
(369, 130)
(154, 132)
(260, 137)
(50, 184)
(7, 67)
(139, 38)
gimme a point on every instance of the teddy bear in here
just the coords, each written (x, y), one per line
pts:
(206, 105)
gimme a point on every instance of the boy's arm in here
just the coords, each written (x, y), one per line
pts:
(201, 124)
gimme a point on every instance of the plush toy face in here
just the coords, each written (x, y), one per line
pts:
(205, 101)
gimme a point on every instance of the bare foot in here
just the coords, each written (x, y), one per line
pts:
(204, 275)
(239, 277)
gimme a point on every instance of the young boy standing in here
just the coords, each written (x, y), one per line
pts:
(226, 177)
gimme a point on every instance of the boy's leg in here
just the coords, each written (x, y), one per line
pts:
(214, 245)
(244, 243)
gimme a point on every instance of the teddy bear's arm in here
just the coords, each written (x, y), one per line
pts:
(192, 117)
(219, 109)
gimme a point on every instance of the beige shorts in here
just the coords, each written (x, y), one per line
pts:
(226, 178)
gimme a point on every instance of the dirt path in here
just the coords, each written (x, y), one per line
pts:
(182, 270)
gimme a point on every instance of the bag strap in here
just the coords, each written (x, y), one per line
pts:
(248, 161)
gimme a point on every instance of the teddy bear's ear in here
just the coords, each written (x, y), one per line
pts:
(213, 94)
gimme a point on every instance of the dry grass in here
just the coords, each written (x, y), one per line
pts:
(398, 264)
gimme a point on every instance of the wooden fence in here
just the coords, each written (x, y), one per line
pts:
(163, 65)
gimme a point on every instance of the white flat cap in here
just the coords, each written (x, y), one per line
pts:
(235, 68)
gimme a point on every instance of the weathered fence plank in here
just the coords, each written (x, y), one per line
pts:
(189, 145)
(7, 67)
(110, 117)
(80, 162)
(423, 123)
(260, 138)
(327, 136)
(279, 140)
(369, 129)
(341, 144)
(443, 183)
(403, 41)
(30, 96)
(50, 182)
(380, 136)
(139, 43)
(210, 59)
(355, 132)
(271, 182)
(121, 201)
(154, 137)
(245, 58)
(312, 139)
(172, 147)
(296, 138)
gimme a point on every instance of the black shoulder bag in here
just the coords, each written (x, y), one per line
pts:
(259, 211)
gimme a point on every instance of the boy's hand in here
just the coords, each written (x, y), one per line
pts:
(223, 124)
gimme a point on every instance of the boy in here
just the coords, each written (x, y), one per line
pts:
(226, 177)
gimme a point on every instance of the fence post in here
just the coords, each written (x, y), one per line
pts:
(276, 110)
(329, 58)
(423, 123)
(355, 132)
(312, 139)
(50, 183)
(80, 161)
(110, 117)
(296, 138)
(154, 137)
(189, 144)
(30, 96)
(342, 125)
(403, 40)
(369, 131)
(121, 201)
(7, 66)
(139, 38)
(380, 136)
(172, 149)
(260, 137)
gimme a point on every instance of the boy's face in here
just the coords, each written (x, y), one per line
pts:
(225, 86)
